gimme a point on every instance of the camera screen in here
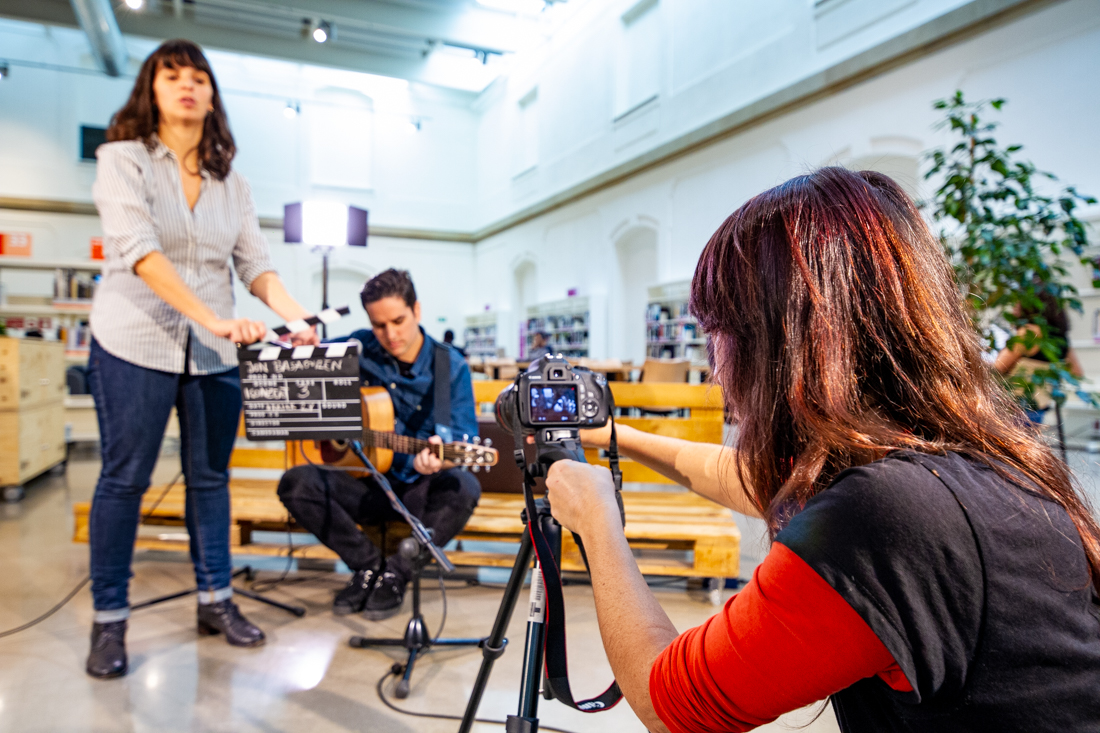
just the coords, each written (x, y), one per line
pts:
(553, 403)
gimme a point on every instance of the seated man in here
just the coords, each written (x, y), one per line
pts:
(398, 355)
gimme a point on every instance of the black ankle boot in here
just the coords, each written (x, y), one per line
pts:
(107, 658)
(354, 595)
(224, 617)
(386, 598)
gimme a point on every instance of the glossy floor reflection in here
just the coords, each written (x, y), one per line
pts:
(306, 678)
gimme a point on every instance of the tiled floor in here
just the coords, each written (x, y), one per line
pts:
(305, 679)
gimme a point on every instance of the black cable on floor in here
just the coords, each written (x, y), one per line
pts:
(397, 670)
(87, 578)
(51, 612)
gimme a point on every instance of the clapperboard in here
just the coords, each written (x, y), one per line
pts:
(302, 392)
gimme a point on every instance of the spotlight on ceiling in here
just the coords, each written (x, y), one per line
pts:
(414, 124)
(322, 32)
(135, 4)
(291, 110)
(4, 70)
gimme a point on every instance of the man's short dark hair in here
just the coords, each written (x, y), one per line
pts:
(389, 284)
(448, 336)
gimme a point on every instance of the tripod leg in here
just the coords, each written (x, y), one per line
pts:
(493, 647)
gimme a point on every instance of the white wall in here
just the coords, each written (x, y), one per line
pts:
(696, 61)
(883, 123)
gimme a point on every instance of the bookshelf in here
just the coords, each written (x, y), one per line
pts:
(567, 321)
(63, 315)
(480, 337)
(671, 331)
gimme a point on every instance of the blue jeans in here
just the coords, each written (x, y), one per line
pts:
(132, 405)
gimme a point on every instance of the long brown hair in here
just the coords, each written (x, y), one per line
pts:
(139, 118)
(838, 334)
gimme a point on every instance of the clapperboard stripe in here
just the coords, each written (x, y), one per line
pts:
(327, 316)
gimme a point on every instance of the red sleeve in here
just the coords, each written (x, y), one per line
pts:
(785, 641)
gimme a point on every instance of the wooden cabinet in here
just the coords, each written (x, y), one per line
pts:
(32, 408)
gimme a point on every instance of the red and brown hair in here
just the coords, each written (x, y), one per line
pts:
(139, 118)
(838, 334)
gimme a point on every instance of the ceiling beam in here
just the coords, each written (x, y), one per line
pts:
(160, 27)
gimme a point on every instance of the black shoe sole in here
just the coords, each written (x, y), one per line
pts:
(381, 614)
(110, 675)
(206, 629)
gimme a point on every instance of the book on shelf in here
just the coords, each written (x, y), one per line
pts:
(73, 286)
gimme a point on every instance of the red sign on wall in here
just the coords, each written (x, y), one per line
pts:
(16, 244)
(97, 248)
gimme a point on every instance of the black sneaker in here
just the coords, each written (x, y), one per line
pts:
(353, 598)
(385, 601)
(107, 657)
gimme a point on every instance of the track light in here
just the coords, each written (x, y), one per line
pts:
(322, 32)
(4, 71)
(291, 110)
(135, 4)
(414, 124)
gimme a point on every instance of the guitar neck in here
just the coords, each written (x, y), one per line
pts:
(400, 443)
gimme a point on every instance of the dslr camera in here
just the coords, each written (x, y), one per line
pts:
(553, 401)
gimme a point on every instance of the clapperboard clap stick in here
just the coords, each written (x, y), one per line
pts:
(327, 316)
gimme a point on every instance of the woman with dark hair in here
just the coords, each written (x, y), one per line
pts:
(174, 213)
(932, 567)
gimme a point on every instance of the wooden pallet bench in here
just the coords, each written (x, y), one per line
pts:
(662, 526)
(673, 533)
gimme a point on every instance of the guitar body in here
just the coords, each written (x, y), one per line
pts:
(377, 415)
(378, 431)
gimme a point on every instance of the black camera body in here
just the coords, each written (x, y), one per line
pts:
(553, 401)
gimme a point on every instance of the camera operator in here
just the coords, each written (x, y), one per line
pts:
(399, 355)
(933, 566)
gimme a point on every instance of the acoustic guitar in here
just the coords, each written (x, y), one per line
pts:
(380, 442)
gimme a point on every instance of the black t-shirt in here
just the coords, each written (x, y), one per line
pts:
(979, 589)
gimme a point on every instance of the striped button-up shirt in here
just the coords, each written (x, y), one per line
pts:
(143, 209)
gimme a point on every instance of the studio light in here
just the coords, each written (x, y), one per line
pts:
(415, 124)
(324, 226)
(135, 4)
(322, 32)
(291, 110)
(4, 71)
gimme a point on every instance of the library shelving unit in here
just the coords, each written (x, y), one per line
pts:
(671, 332)
(480, 336)
(567, 321)
(66, 310)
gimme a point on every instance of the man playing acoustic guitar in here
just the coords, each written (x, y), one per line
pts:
(397, 354)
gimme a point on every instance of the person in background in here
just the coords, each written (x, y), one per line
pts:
(933, 567)
(449, 339)
(174, 214)
(540, 345)
(1020, 358)
(400, 356)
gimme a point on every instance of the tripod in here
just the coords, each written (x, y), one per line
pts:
(526, 720)
(417, 639)
(248, 573)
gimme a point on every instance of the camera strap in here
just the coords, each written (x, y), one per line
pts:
(557, 671)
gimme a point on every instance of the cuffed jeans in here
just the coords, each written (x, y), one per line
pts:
(133, 405)
(330, 504)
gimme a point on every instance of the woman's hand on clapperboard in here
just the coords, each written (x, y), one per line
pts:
(307, 337)
(239, 330)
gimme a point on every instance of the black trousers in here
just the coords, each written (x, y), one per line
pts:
(330, 504)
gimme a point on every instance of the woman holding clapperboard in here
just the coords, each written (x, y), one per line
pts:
(164, 329)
